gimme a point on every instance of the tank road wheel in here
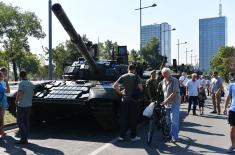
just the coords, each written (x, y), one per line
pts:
(107, 116)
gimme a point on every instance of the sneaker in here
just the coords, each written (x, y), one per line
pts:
(231, 149)
(120, 138)
(173, 140)
(135, 138)
(214, 112)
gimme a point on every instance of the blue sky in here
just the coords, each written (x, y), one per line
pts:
(118, 21)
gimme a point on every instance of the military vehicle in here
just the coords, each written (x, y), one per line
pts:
(86, 88)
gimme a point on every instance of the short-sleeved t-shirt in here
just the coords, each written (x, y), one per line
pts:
(231, 91)
(129, 81)
(184, 80)
(4, 97)
(28, 90)
(216, 83)
(170, 87)
(193, 87)
(152, 85)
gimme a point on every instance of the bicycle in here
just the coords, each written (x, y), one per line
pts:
(158, 117)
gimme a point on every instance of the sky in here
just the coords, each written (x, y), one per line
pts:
(117, 20)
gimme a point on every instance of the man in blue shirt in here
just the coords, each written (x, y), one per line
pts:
(231, 116)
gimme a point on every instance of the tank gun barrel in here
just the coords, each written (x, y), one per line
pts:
(74, 36)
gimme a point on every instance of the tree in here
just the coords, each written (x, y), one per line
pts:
(224, 61)
(109, 50)
(151, 54)
(60, 57)
(30, 63)
(135, 56)
(3, 60)
(15, 28)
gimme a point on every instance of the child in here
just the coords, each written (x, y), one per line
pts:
(201, 99)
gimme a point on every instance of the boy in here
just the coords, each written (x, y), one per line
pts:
(201, 99)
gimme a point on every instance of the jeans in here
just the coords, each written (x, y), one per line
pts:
(23, 114)
(172, 117)
(192, 100)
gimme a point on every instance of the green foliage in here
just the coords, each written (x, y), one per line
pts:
(60, 56)
(15, 28)
(134, 56)
(108, 49)
(223, 61)
(3, 60)
(151, 54)
(29, 62)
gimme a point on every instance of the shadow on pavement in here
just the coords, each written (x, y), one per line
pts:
(18, 149)
(185, 145)
(82, 129)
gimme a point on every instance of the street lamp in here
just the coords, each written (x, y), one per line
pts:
(187, 54)
(195, 56)
(163, 40)
(179, 49)
(140, 8)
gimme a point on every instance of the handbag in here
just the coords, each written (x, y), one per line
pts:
(148, 111)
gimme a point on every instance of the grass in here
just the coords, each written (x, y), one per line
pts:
(9, 118)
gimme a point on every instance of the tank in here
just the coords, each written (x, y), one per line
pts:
(86, 87)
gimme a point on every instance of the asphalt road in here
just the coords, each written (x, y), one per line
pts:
(207, 134)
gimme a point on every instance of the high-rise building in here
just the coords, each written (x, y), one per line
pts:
(163, 33)
(212, 35)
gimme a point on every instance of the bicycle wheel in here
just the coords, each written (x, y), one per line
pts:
(151, 128)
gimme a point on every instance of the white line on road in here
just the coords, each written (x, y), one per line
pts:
(104, 147)
(112, 142)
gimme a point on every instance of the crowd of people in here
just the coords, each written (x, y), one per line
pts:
(161, 87)
(171, 92)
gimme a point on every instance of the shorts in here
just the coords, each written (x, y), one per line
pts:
(201, 103)
(231, 118)
(182, 91)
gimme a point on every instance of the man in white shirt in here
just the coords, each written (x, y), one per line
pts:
(192, 88)
(183, 80)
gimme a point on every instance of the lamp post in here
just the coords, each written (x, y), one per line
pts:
(195, 56)
(186, 52)
(140, 8)
(179, 49)
(163, 40)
